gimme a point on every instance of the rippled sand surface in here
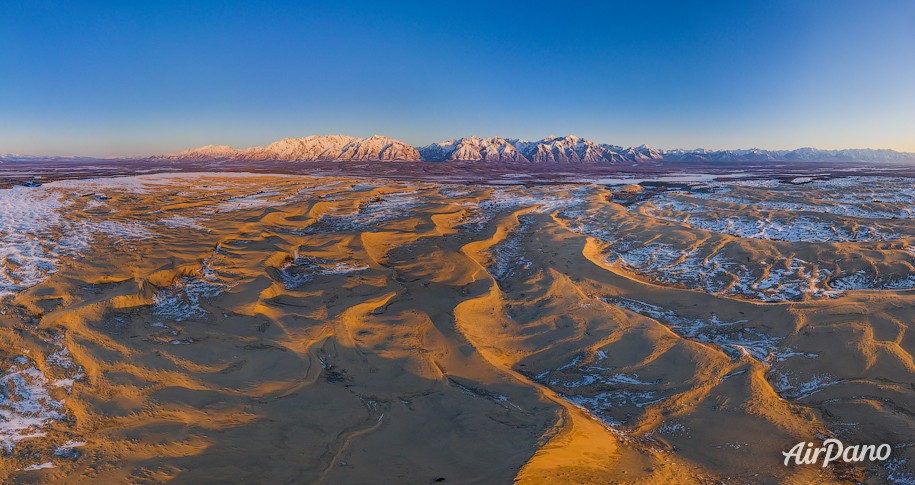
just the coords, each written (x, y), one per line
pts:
(287, 329)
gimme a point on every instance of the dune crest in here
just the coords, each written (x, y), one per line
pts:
(334, 330)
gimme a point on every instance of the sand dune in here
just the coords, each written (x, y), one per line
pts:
(278, 328)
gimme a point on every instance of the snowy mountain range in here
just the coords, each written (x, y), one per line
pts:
(334, 147)
(569, 149)
(573, 149)
(562, 150)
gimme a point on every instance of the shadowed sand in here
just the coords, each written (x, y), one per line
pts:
(298, 329)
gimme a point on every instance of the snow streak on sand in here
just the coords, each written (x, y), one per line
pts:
(29, 220)
(32, 396)
(36, 234)
(41, 226)
(182, 300)
(25, 403)
(192, 320)
(735, 338)
(844, 209)
(733, 238)
(302, 270)
(381, 207)
(783, 226)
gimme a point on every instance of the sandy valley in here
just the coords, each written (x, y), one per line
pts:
(324, 329)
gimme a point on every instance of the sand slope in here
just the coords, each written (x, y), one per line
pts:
(210, 328)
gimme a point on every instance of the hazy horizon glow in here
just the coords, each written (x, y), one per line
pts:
(98, 78)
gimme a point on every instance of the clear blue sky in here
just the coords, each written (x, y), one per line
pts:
(138, 78)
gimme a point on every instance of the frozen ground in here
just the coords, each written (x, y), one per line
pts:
(32, 394)
(764, 241)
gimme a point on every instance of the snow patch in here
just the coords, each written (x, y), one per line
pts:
(26, 406)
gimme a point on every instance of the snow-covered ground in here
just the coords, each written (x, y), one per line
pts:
(32, 396)
(865, 211)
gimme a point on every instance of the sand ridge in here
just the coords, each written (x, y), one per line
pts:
(323, 329)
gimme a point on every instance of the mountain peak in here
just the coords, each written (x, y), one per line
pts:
(568, 149)
(315, 147)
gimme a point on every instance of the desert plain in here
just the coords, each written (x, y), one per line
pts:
(287, 328)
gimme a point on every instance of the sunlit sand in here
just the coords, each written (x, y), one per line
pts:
(284, 328)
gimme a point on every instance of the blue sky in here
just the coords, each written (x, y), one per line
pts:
(138, 78)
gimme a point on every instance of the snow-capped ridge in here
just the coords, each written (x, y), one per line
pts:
(569, 149)
(315, 147)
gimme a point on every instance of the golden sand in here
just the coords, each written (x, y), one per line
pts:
(280, 329)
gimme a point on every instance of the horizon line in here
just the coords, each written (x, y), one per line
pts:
(143, 156)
